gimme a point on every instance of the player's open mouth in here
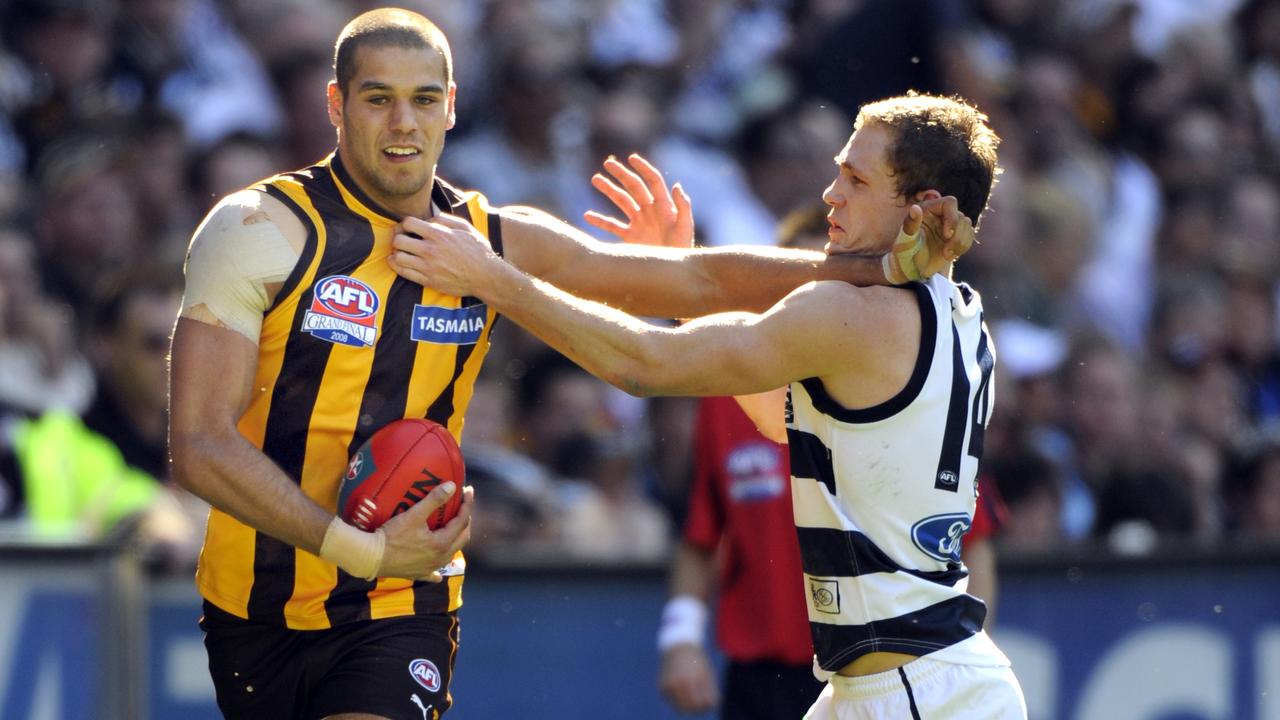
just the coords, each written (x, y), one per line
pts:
(400, 152)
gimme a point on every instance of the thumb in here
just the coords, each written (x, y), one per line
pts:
(684, 216)
(438, 496)
(911, 225)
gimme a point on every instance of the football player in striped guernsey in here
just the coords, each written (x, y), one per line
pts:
(889, 398)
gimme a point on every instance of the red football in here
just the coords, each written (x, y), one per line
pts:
(395, 468)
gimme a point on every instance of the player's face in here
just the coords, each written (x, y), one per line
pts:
(866, 209)
(391, 123)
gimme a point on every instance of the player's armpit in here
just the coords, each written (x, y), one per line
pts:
(238, 258)
(767, 410)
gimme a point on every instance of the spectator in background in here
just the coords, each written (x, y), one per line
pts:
(41, 366)
(63, 81)
(130, 346)
(1254, 488)
(88, 226)
(236, 161)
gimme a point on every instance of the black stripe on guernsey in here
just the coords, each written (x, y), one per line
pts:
(353, 187)
(827, 405)
(292, 404)
(386, 394)
(827, 552)
(911, 696)
(308, 248)
(293, 401)
(433, 597)
(495, 233)
(917, 633)
(948, 476)
(981, 409)
(442, 407)
(811, 459)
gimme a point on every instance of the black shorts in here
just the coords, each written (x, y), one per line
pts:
(768, 691)
(397, 667)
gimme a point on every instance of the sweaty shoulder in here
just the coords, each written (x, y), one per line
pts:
(239, 257)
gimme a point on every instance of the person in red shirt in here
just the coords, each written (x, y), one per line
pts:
(739, 515)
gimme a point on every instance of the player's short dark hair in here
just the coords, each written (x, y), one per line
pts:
(944, 144)
(386, 27)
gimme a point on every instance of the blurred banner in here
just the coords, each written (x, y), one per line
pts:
(1193, 636)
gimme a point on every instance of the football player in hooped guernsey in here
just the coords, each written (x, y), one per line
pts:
(889, 397)
(297, 341)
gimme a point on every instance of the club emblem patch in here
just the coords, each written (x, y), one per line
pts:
(426, 673)
(343, 311)
(825, 595)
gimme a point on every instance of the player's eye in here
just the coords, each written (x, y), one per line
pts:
(378, 100)
(424, 100)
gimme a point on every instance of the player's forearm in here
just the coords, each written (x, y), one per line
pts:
(610, 344)
(753, 279)
(659, 282)
(692, 572)
(235, 477)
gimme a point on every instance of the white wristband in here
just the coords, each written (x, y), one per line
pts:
(352, 549)
(684, 622)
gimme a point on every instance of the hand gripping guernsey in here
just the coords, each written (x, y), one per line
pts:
(883, 495)
(347, 347)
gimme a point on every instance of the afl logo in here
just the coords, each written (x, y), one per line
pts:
(346, 297)
(357, 462)
(939, 536)
(426, 673)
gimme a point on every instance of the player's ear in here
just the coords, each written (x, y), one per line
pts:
(334, 103)
(452, 99)
(926, 195)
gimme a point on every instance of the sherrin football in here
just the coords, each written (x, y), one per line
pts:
(395, 468)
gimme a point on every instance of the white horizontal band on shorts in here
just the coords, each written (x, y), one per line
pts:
(352, 549)
(684, 622)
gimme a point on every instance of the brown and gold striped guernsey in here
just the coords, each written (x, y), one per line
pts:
(347, 347)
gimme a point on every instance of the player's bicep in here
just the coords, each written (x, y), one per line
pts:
(238, 257)
(211, 380)
(745, 353)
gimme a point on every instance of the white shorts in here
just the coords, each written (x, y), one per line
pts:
(924, 689)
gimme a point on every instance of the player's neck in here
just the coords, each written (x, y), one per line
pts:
(418, 204)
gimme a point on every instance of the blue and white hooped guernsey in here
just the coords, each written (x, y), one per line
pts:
(882, 496)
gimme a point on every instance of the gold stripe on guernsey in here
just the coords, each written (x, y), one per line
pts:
(226, 538)
(332, 425)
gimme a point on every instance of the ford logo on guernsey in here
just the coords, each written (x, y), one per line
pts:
(939, 536)
(343, 310)
(426, 673)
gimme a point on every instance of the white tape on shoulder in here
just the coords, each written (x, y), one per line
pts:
(235, 254)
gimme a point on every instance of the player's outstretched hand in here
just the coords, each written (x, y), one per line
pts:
(934, 234)
(446, 253)
(688, 680)
(413, 551)
(654, 214)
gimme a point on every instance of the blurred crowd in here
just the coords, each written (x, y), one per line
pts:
(1129, 260)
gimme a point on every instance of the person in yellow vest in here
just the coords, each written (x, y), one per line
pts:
(297, 340)
(75, 482)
